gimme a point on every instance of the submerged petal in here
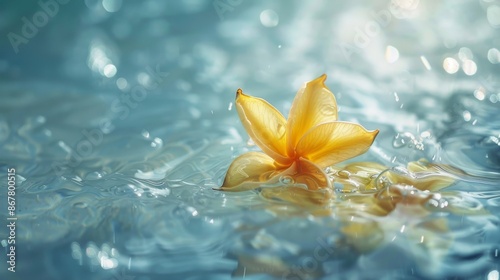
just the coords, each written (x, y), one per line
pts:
(363, 235)
(421, 175)
(256, 264)
(299, 196)
(305, 174)
(331, 143)
(311, 175)
(430, 176)
(358, 176)
(248, 171)
(314, 104)
(264, 124)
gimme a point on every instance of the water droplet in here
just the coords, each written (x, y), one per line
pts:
(230, 107)
(76, 178)
(80, 205)
(286, 180)
(344, 174)
(400, 170)
(479, 94)
(425, 134)
(250, 142)
(93, 176)
(425, 62)
(157, 143)
(138, 191)
(400, 140)
(407, 139)
(496, 253)
(466, 115)
(490, 140)
(396, 97)
(438, 202)
(382, 182)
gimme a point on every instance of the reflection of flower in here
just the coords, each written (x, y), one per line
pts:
(298, 149)
(375, 206)
(378, 189)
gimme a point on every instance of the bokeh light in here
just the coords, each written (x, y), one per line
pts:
(269, 18)
(451, 65)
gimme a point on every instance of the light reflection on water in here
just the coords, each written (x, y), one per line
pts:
(118, 118)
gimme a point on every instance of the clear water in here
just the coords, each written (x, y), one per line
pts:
(118, 118)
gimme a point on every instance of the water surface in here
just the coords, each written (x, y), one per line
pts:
(119, 119)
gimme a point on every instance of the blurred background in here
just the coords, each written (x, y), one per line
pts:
(118, 117)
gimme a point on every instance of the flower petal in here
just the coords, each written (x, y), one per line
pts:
(363, 235)
(390, 197)
(421, 175)
(331, 143)
(430, 176)
(248, 171)
(264, 124)
(311, 175)
(314, 104)
(250, 264)
(299, 196)
(306, 185)
(358, 176)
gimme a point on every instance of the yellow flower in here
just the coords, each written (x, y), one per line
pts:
(298, 149)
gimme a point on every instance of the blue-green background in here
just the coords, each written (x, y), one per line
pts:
(115, 168)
